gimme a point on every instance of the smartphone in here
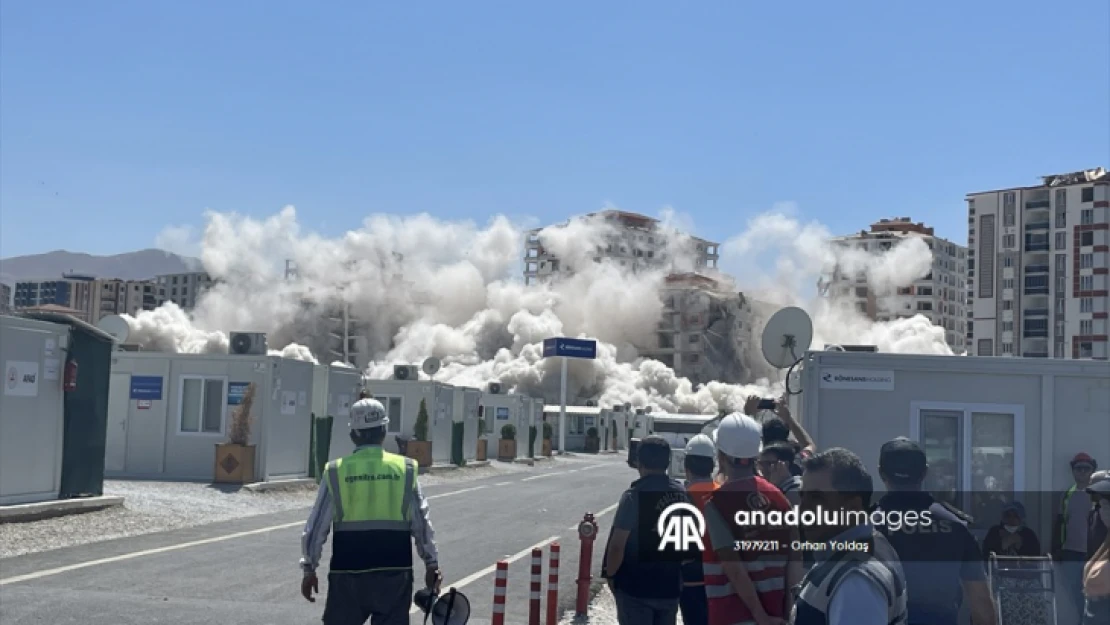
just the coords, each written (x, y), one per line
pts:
(766, 404)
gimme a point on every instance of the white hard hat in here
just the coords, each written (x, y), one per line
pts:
(701, 445)
(366, 414)
(739, 436)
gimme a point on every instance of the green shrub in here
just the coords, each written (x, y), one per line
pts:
(591, 432)
(420, 430)
(548, 431)
(508, 431)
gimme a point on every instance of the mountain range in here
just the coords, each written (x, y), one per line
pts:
(140, 265)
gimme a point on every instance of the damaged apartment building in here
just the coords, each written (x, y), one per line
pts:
(705, 333)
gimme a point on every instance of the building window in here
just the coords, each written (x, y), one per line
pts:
(1008, 261)
(1008, 348)
(1086, 261)
(1058, 351)
(1008, 216)
(202, 405)
(1086, 217)
(1086, 283)
(393, 411)
(1087, 195)
(1061, 240)
(1086, 238)
(1007, 283)
(1086, 327)
(924, 305)
(1007, 326)
(1061, 264)
(985, 347)
(975, 454)
(1086, 304)
(1009, 241)
(1007, 304)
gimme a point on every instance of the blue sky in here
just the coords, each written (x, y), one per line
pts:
(119, 118)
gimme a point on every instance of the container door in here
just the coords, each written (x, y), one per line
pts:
(115, 453)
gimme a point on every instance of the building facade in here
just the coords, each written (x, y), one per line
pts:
(940, 296)
(1037, 273)
(93, 298)
(635, 242)
(705, 332)
(182, 289)
(5, 299)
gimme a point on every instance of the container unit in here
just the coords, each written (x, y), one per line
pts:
(992, 428)
(167, 412)
(401, 399)
(500, 409)
(31, 409)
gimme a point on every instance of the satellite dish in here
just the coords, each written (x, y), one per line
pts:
(116, 326)
(431, 366)
(786, 337)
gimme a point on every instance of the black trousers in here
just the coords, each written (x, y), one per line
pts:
(694, 605)
(384, 597)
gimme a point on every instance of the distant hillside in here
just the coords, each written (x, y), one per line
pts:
(140, 265)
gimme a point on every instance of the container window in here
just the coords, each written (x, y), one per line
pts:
(202, 405)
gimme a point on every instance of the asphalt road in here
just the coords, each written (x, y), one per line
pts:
(245, 571)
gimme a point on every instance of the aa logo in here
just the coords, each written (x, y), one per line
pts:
(683, 531)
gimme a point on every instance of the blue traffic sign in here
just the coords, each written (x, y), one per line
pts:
(570, 348)
(146, 387)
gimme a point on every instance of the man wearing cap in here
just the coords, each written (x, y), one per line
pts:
(699, 462)
(749, 583)
(941, 560)
(1069, 544)
(373, 501)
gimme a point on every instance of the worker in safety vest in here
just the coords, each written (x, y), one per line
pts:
(745, 561)
(1069, 544)
(698, 463)
(374, 502)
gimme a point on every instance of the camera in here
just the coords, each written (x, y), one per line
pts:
(767, 404)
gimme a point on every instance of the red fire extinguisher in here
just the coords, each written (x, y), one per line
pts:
(70, 380)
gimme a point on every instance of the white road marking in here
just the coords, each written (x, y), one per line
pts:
(473, 577)
(502, 483)
(597, 515)
(537, 477)
(168, 548)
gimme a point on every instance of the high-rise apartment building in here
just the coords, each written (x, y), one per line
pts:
(940, 295)
(635, 242)
(92, 298)
(182, 289)
(1037, 268)
(117, 297)
(5, 299)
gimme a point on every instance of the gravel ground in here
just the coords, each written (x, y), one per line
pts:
(159, 506)
(602, 611)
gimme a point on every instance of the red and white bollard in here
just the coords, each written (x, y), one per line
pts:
(587, 531)
(553, 586)
(500, 585)
(534, 596)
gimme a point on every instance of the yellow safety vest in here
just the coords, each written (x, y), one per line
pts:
(1064, 515)
(371, 492)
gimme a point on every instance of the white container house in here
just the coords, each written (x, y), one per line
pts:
(167, 412)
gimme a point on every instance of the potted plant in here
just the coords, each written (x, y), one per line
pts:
(235, 458)
(420, 448)
(545, 449)
(506, 447)
(592, 441)
(483, 444)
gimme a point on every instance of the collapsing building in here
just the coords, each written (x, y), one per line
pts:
(705, 333)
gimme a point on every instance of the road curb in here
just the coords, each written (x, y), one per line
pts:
(26, 512)
(261, 487)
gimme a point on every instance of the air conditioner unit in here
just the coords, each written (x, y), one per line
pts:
(494, 388)
(591, 403)
(247, 343)
(406, 372)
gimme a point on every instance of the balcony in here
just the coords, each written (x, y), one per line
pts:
(1035, 312)
(1035, 334)
(1037, 225)
(1037, 204)
(1036, 247)
(1036, 269)
(1035, 290)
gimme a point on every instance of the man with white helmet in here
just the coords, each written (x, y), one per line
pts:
(373, 500)
(698, 462)
(745, 584)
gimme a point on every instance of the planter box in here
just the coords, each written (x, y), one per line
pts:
(234, 464)
(506, 449)
(546, 449)
(421, 452)
(481, 453)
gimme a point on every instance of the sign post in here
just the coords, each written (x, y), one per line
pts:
(564, 348)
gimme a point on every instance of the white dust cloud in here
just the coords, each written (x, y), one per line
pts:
(415, 287)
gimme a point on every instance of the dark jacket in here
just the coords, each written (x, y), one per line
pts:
(1096, 533)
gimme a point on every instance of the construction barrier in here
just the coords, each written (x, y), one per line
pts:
(553, 586)
(500, 585)
(534, 594)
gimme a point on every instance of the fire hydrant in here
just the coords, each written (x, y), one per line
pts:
(587, 531)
